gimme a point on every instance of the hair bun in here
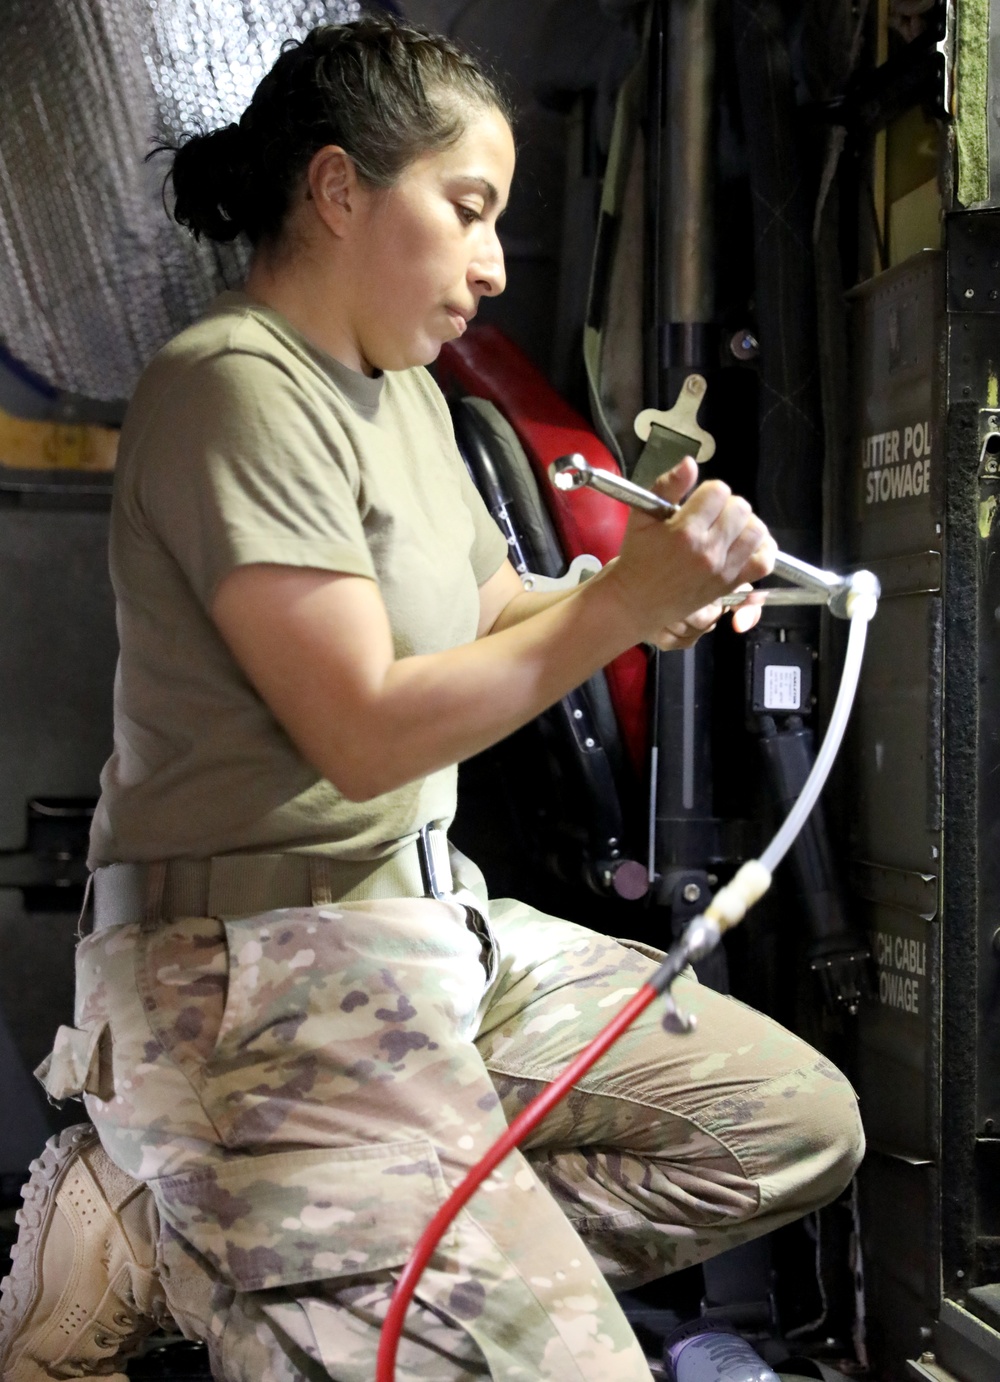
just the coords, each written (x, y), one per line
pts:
(384, 90)
(210, 176)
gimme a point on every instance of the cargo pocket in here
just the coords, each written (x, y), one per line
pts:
(292, 1217)
(79, 1063)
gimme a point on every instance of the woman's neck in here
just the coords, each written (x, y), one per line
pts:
(305, 295)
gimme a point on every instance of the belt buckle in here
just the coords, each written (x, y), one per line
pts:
(435, 863)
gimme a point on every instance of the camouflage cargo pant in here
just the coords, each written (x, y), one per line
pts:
(300, 1090)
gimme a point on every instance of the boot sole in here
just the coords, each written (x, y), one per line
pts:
(19, 1291)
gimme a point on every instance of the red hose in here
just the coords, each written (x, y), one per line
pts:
(385, 1368)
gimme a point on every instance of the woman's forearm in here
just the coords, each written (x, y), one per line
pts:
(441, 708)
(318, 648)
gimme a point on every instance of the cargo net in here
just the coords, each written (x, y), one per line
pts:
(94, 276)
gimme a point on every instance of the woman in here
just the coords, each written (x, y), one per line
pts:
(279, 1031)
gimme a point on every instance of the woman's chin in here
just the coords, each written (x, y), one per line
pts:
(421, 352)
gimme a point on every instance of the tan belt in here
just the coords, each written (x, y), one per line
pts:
(233, 885)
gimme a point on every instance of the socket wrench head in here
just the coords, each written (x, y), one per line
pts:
(569, 472)
(859, 590)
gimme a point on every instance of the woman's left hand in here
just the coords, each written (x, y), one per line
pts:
(686, 633)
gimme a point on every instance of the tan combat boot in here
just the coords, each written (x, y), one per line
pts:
(82, 1293)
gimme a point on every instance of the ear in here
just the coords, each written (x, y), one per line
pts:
(333, 186)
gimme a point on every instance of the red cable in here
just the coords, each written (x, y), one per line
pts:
(385, 1368)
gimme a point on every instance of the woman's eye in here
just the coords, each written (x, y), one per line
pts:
(466, 215)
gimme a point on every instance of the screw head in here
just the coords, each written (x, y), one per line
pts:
(743, 345)
(691, 892)
(970, 292)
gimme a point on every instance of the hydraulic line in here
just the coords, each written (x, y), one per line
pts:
(809, 795)
(726, 909)
(526, 1121)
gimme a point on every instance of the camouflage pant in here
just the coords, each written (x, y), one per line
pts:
(301, 1089)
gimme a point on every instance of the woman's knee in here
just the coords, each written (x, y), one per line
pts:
(824, 1141)
(845, 1136)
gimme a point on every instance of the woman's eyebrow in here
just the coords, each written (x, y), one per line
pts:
(490, 194)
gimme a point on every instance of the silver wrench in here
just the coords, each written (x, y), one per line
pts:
(810, 584)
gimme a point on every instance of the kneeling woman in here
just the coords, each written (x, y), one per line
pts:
(318, 622)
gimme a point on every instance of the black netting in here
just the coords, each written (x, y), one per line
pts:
(94, 277)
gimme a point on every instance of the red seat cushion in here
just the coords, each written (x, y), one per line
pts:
(486, 364)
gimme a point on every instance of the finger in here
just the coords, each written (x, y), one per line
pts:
(705, 618)
(705, 505)
(671, 641)
(674, 484)
(739, 559)
(746, 617)
(701, 621)
(733, 518)
(761, 561)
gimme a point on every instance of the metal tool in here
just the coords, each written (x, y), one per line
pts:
(810, 584)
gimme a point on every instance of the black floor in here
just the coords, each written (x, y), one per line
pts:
(174, 1359)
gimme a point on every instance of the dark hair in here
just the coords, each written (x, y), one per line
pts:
(386, 92)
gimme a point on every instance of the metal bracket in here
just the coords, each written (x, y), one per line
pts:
(581, 568)
(945, 47)
(435, 862)
(681, 419)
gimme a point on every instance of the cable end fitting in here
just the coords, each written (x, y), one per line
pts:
(857, 595)
(730, 904)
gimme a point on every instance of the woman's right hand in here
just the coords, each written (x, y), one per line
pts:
(670, 567)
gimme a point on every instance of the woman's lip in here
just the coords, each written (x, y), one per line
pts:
(458, 319)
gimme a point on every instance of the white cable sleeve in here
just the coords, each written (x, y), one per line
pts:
(815, 782)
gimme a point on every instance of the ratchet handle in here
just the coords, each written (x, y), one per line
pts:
(824, 587)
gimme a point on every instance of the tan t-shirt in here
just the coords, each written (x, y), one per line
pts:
(243, 444)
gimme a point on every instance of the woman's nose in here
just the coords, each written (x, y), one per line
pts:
(487, 270)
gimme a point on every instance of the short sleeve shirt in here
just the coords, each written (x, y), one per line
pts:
(246, 444)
